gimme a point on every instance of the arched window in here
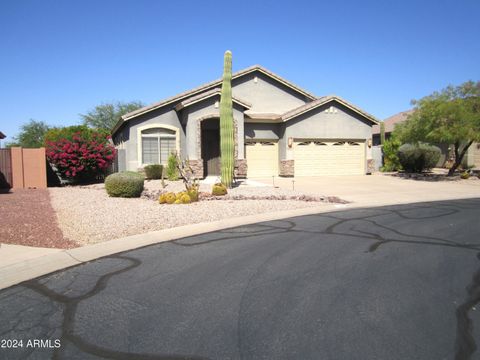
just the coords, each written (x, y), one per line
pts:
(157, 145)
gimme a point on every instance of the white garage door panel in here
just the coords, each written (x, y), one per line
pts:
(317, 158)
(262, 159)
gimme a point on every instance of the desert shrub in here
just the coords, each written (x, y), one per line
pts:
(182, 197)
(153, 171)
(124, 184)
(172, 167)
(167, 198)
(465, 175)
(78, 153)
(185, 199)
(170, 198)
(219, 189)
(416, 158)
(390, 157)
(193, 194)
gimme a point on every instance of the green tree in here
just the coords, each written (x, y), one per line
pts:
(227, 141)
(105, 116)
(450, 116)
(32, 135)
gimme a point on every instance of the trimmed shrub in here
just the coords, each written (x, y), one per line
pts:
(219, 189)
(390, 156)
(153, 171)
(79, 154)
(126, 184)
(417, 158)
(172, 167)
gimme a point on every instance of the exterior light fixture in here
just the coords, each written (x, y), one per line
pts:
(369, 143)
(290, 142)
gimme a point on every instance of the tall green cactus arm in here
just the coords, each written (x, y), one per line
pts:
(382, 133)
(227, 140)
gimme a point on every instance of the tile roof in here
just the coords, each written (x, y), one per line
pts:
(391, 121)
(207, 94)
(206, 86)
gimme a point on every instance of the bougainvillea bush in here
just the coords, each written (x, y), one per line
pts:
(80, 154)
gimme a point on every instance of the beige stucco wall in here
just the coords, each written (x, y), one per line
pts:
(265, 95)
(336, 124)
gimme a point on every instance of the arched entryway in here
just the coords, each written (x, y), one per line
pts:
(210, 145)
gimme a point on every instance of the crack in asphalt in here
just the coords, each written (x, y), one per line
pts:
(69, 312)
(465, 344)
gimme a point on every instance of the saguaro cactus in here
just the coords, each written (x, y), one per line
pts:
(382, 133)
(227, 140)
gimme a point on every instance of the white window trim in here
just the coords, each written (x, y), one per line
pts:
(151, 126)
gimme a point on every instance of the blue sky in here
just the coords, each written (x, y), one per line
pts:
(61, 58)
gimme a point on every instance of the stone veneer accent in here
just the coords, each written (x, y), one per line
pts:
(287, 168)
(241, 167)
(197, 167)
(370, 166)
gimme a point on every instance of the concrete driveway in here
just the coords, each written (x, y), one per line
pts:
(380, 189)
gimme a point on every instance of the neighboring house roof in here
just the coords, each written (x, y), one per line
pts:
(2, 135)
(322, 101)
(209, 94)
(391, 121)
(207, 86)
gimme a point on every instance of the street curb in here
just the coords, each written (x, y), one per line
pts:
(32, 268)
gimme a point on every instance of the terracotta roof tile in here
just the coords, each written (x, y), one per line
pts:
(391, 121)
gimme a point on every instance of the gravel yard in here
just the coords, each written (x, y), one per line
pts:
(88, 215)
(27, 218)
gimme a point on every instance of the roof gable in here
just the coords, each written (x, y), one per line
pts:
(325, 100)
(210, 86)
(206, 95)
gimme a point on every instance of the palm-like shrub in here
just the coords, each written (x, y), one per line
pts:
(172, 167)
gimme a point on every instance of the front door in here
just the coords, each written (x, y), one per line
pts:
(211, 147)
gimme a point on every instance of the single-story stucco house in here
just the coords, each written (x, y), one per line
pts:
(280, 129)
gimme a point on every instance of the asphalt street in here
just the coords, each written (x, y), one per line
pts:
(396, 282)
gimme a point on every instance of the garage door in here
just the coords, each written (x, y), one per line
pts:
(262, 158)
(317, 158)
